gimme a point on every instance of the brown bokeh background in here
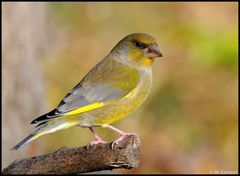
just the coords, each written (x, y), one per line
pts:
(188, 124)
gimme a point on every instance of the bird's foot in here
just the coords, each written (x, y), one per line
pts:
(95, 142)
(123, 135)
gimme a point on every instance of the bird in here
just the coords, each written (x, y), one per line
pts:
(109, 92)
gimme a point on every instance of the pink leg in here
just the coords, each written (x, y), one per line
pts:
(98, 139)
(122, 133)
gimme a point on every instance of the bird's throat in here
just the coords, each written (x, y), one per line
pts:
(146, 61)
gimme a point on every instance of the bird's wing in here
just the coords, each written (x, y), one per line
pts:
(94, 91)
(88, 98)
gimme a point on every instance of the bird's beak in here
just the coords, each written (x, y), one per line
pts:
(153, 51)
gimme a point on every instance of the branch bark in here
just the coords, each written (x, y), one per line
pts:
(80, 160)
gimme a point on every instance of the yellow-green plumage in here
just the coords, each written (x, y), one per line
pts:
(114, 88)
(137, 87)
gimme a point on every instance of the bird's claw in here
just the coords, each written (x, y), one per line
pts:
(98, 141)
(123, 135)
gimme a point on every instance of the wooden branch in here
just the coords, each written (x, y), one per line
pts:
(79, 160)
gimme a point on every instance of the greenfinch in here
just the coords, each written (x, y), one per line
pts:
(110, 91)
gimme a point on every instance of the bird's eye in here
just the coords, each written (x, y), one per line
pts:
(140, 45)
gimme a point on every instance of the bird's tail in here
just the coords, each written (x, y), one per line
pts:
(45, 128)
(37, 133)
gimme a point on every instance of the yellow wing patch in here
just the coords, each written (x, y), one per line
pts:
(85, 108)
(96, 105)
(39, 134)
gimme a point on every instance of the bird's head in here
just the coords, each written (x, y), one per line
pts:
(138, 48)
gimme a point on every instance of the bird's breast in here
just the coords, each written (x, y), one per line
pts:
(140, 92)
(124, 106)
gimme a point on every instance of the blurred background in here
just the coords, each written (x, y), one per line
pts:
(188, 124)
